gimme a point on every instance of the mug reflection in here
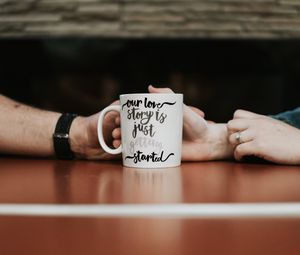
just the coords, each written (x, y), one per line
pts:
(161, 185)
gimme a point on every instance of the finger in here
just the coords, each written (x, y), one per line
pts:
(198, 111)
(116, 133)
(192, 120)
(153, 89)
(244, 149)
(237, 125)
(245, 136)
(117, 121)
(116, 143)
(109, 118)
(242, 114)
(111, 115)
(115, 102)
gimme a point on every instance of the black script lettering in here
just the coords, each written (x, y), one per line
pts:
(161, 117)
(143, 116)
(139, 156)
(153, 104)
(167, 103)
(131, 103)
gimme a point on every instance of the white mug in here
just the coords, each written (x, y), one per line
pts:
(151, 130)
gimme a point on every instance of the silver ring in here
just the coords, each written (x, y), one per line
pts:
(238, 137)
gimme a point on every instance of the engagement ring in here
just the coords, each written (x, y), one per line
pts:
(238, 137)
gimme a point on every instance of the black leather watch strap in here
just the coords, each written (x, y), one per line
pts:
(61, 136)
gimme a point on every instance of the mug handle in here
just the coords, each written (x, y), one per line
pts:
(116, 108)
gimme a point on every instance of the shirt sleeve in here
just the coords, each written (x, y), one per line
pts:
(290, 117)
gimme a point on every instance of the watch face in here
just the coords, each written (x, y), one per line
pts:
(61, 135)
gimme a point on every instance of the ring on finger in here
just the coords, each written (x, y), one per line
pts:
(238, 137)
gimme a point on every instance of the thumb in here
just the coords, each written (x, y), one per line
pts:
(198, 111)
(152, 89)
(192, 119)
(242, 114)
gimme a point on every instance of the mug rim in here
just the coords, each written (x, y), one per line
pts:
(154, 94)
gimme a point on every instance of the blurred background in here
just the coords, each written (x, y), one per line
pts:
(79, 55)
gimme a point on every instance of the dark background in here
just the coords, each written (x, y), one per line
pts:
(218, 76)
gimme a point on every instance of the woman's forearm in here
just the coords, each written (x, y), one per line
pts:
(220, 146)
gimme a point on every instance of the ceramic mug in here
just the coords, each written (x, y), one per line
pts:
(151, 130)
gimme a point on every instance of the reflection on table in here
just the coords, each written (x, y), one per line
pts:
(50, 181)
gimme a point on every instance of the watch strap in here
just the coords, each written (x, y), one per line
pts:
(61, 136)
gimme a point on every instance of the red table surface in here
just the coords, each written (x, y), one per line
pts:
(81, 182)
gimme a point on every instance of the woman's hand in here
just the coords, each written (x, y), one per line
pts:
(264, 137)
(202, 141)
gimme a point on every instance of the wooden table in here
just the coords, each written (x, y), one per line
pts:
(54, 183)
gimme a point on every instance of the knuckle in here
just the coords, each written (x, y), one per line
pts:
(230, 138)
(230, 124)
(239, 150)
(237, 113)
(237, 154)
(167, 90)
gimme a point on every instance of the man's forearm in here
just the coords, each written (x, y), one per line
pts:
(26, 130)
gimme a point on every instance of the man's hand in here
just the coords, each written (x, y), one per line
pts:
(201, 140)
(264, 137)
(84, 140)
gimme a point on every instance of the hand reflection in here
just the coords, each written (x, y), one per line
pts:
(265, 183)
(152, 185)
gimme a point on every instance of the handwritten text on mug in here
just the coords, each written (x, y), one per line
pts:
(144, 124)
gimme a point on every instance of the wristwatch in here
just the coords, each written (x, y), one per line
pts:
(61, 136)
